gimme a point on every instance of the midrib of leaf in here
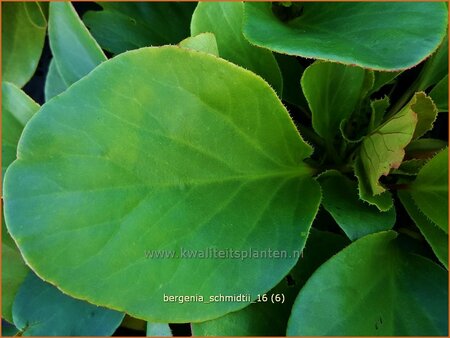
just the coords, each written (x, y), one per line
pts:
(298, 172)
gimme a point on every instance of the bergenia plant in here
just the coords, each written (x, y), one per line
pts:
(239, 168)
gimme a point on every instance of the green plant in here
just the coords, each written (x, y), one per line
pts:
(152, 181)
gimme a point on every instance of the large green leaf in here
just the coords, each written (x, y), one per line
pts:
(439, 94)
(23, 34)
(172, 163)
(355, 217)
(123, 26)
(373, 288)
(40, 309)
(17, 109)
(430, 189)
(382, 150)
(333, 91)
(376, 35)
(265, 318)
(224, 19)
(75, 52)
(437, 238)
(54, 82)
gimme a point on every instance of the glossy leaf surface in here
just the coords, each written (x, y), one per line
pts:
(168, 159)
(224, 19)
(373, 288)
(23, 34)
(376, 35)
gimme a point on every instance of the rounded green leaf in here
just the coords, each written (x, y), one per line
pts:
(23, 34)
(174, 160)
(373, 288)
(354, 216)
(430, 189)
(376, 35)
(74, 50)
(123, 26)
(333, 92)
(224, 19)
(40, 309)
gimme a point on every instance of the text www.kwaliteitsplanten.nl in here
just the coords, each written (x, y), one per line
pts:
(227, 253)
